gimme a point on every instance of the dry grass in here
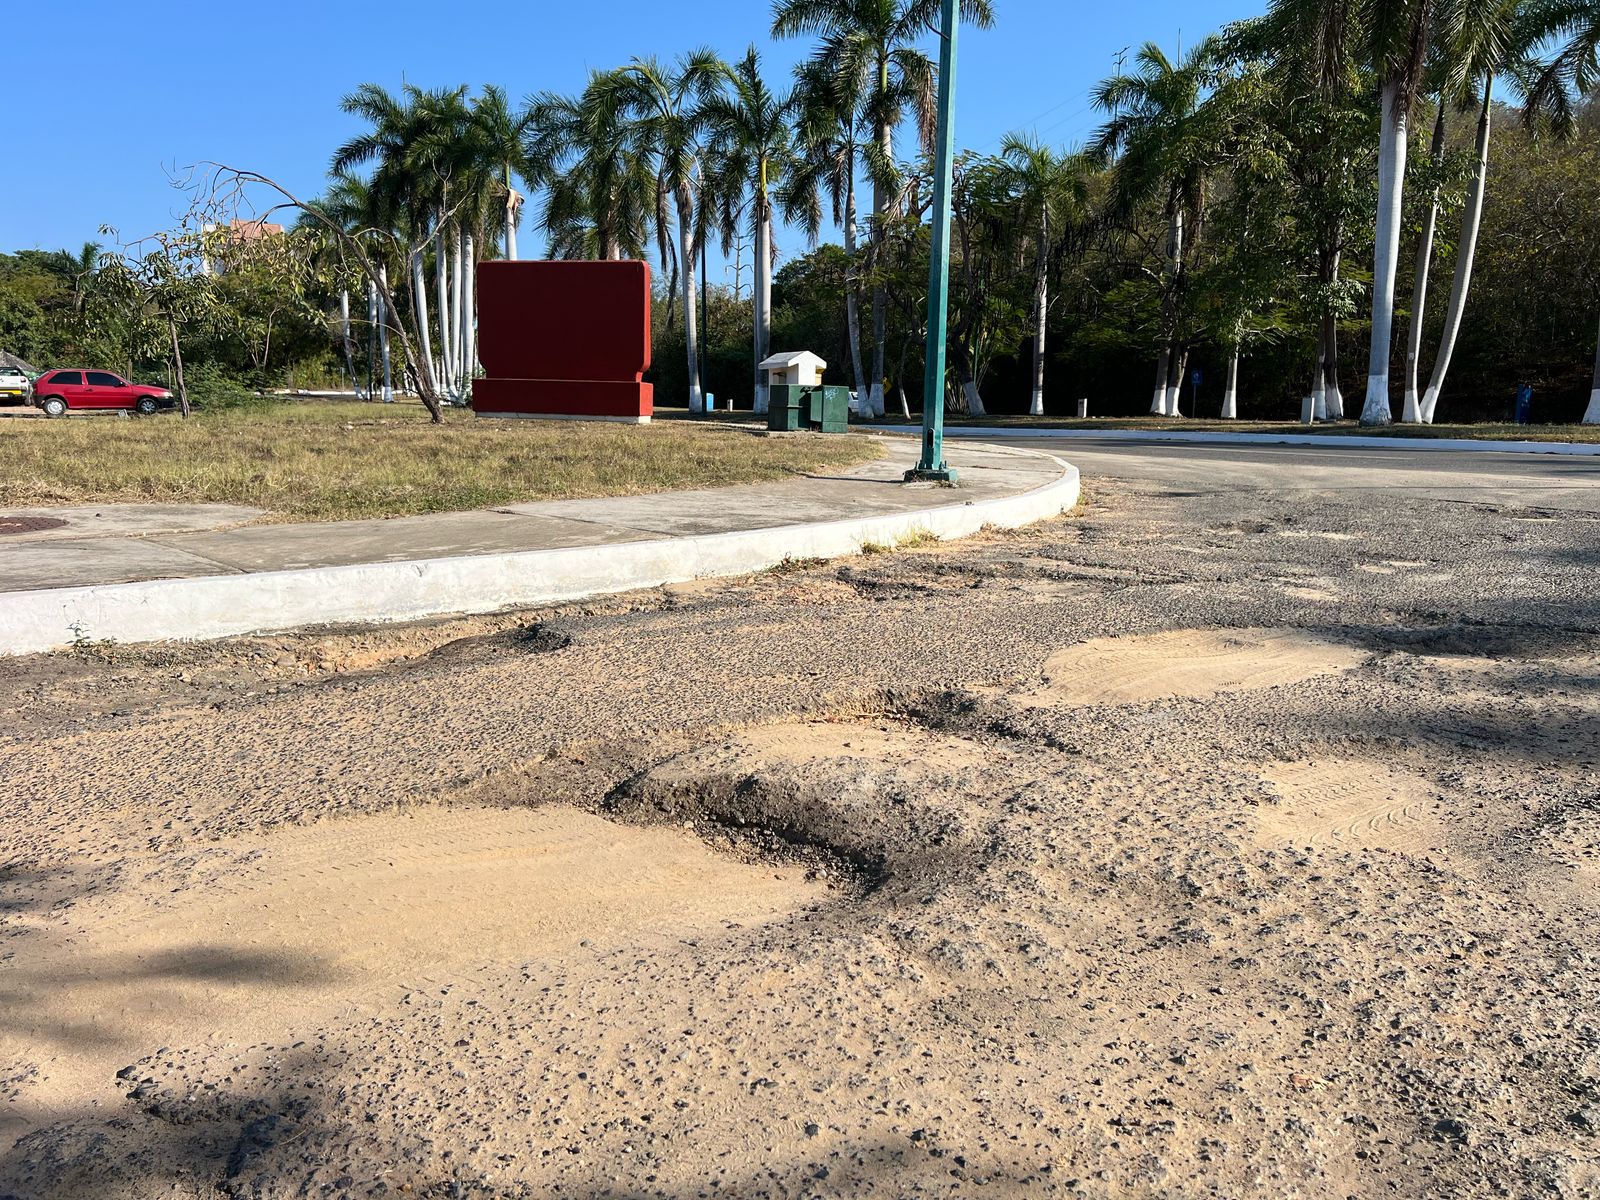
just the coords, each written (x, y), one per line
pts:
(336, 461)
(1483, 432)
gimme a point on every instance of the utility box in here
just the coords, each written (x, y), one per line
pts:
(828, 408)
(797, 398)
(799, 368)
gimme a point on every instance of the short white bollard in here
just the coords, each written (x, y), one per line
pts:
(1083, 408)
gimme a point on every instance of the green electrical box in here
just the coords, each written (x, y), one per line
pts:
(792, 407)
(828, 408)
(785, 408)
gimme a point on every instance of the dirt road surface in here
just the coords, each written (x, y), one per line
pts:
(1238, 835)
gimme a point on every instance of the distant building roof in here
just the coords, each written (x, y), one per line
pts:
(249, 231)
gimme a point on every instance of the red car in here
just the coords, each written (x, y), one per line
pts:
(58, 391)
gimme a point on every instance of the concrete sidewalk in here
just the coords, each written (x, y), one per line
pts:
(149, 572)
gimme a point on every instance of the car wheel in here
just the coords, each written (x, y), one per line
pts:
(145, 405)
(54, 406)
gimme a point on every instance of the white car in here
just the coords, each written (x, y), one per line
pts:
(15, 386)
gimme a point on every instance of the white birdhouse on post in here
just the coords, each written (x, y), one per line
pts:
(800, 368)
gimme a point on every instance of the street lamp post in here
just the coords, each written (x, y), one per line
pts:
(932, 466)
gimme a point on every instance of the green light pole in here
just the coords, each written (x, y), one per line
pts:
(931, 466)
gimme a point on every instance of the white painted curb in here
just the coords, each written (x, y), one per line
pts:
(1589, 449)
(217, 606)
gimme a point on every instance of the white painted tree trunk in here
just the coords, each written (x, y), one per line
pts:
(419, 302)
(1412, 409)
(880, 300)
(852, 307)
(349, 350)
(1230, 389)
(441, 277)
(1333, 398)
(1174, 395)
(1041, 312)
(691, 331)
(1317, 398)
(1471, 222)
(969, 390)
(1386, 254)
(763, 304)
(383, 334)
(1591, 415)
(458, 314)
(1158, 401)
(372, 333)
(511, 223)
(469, 323)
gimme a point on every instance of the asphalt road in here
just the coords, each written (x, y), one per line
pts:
(1549, 481)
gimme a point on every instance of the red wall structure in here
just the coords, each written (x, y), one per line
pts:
(564, 339)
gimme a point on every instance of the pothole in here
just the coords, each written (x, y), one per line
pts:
(304, 925)
(1349, 803)
(1187, 663)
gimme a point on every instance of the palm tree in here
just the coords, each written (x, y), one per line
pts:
(498, 132)
(832, 137)
(1160, 131)
(420, 149)
(750, 151)
(599, 193)
(872, 46)
(660, 109)
(1573, 72)
(1423, 262)
(1051, 192)
(1489, 38)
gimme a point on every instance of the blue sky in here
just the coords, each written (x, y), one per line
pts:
(165, 84)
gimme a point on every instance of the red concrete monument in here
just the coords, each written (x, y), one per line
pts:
(564, 339)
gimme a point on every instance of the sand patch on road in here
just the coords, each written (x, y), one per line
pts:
(1349, 803)
(1187, 663)
(330, 921)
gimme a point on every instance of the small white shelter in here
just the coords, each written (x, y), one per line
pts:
(800, 368)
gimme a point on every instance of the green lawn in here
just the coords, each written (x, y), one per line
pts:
(325, 461)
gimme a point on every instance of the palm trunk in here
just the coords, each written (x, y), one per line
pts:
(1041, 307)
(1167, 400)
(469, 305)
(686, 281)
(383, 339)
(852, 307)
(1471, 222)
(344, 333)
(441, 276)
(458, 313)
(419, 302)
(1230, 390)
(1386, 254)
(1419, 286)
(372, 336)
(511, 217)
(764, 300)
(880, 298)
(1591, 415)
